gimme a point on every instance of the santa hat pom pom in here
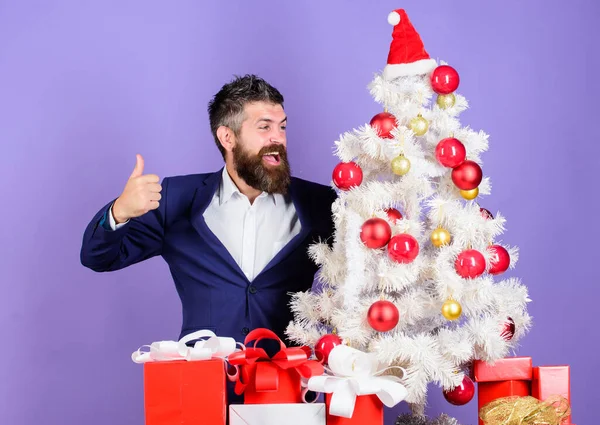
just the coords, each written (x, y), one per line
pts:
(394, 18)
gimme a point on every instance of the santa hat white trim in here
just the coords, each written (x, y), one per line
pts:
(393, 18)
(420, 67)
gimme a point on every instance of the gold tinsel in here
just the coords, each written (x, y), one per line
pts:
(525, 411)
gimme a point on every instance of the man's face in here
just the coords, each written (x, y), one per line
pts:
(259, 154)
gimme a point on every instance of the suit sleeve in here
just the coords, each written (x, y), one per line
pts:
(104, 249)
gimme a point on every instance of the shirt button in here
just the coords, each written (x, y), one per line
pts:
(252, 290)
(245, 331)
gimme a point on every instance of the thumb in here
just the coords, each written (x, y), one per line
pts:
(139, 167)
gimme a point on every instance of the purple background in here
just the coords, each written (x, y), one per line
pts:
(83, 88)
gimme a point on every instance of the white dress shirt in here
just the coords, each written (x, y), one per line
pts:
(252, 233)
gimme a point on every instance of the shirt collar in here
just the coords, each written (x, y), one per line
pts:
(228, 188)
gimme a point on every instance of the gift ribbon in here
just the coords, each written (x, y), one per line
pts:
(266, 377)
(208, 347)
(354, 373)
(525, 411)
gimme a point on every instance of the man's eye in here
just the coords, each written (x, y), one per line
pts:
(266, 127)
(283, 127)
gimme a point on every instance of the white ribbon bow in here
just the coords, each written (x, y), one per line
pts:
(355, 374)
(162, 351)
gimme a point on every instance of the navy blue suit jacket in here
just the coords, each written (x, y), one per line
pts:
(214, 292)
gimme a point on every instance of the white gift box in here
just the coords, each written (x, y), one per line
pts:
(277, 414)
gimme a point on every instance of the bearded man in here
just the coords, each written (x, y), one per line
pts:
(236, 240)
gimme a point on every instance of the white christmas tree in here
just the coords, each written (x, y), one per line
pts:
(411, 272)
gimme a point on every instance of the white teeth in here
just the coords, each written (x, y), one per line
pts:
(271, 153)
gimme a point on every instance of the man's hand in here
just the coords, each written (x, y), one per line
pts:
(141, 194)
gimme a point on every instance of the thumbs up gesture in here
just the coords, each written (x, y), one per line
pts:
(141, 194)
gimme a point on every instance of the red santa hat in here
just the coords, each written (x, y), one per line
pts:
(407, 53)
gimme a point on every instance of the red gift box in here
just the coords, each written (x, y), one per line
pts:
(272, 380)
(185, 393)
(552, 380)
(367, 410)
(510, 376)
(507, 369)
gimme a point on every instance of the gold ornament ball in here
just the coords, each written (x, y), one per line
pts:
(400, 165)
(451, 309)
(446, 101)
(440, 237)
(419, 125)
(470, 194)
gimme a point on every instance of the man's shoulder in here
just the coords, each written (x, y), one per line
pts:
(310, 186)
(186, 181)
(181, 190)
(318, 199)
(313, 192)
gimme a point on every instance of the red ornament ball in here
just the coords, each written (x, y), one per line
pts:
(347, 175)
(384, 123)
(470, 264)
(450, 152)
(444, 79)
(403, 248)
(324, 346)
(462, 394)
(375, 233)
(500, 260)
(383, 316)
(486, 214)
(507, 329)
(393, 215)
(467, 175)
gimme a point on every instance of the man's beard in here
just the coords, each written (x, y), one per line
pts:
(270, 179)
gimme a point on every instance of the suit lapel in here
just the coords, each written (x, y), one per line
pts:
(301, 203)
(202, 199)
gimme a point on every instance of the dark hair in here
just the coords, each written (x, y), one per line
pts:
(227, 106)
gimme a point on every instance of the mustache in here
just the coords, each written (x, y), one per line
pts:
(280, 149)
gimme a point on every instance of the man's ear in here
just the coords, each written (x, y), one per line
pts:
(226, 137)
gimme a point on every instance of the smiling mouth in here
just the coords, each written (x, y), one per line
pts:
(272, 158)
